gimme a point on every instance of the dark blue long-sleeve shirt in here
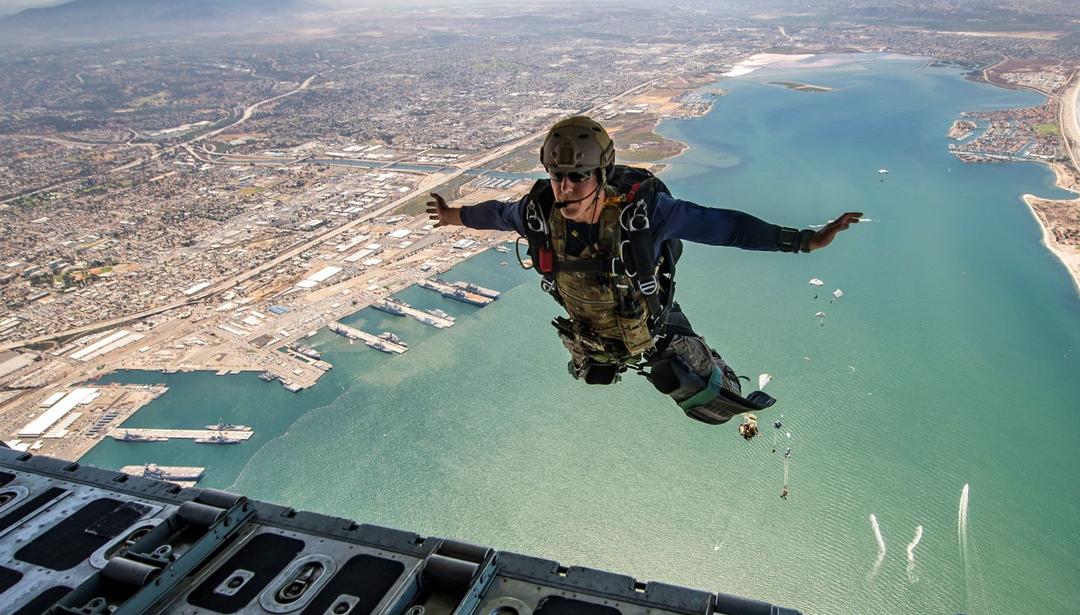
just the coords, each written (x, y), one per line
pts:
(671, 218)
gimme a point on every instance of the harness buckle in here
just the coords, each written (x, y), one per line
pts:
(533, 221)
(647, 287)
(547, 284)
(638, 220)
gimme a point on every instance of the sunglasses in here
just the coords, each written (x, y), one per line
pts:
(574, 176)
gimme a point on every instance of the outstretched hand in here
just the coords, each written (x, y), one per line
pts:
(825, 236)
(437, 209)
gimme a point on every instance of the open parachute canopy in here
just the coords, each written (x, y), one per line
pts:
(815, 282)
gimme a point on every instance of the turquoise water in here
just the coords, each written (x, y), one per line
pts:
(950, 360)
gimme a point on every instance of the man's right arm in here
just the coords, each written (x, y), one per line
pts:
(488, 215)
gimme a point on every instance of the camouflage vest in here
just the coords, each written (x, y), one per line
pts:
(610, 315)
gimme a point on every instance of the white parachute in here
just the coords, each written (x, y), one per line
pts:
(762, 380)
(815, 282)
(838, 293)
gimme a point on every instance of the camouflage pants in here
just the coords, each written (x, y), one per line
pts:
(682, 367)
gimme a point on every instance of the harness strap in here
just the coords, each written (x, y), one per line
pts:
(613, 266)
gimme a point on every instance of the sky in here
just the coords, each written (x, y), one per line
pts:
(9, 7)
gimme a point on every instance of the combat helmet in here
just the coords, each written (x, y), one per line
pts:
(579, 144)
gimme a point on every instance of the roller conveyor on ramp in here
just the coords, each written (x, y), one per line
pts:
(138, 545)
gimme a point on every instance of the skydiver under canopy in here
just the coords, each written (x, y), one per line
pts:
(605, 239)
(748, 429)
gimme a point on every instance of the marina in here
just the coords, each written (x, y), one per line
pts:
(154, 435)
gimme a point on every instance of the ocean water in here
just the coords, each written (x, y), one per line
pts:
(950, 360)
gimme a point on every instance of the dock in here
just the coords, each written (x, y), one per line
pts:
(457, 294)
(190, 434)
(473, 288)
(185, 476)
(371, 340)
(428, 319)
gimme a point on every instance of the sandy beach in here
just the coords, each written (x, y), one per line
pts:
(1060, 219)
(1047, 213)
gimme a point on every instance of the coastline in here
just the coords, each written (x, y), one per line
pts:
(743, 67)
(1049, 214)
(1066, 178)
(1068, 255)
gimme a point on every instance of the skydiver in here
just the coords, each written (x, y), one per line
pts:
(605, 239)
(784, 494)
(777, 424)
(787, 453)
(748, 430)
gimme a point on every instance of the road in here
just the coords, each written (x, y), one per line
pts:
(1069, 120)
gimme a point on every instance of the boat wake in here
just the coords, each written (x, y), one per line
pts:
(911, 555)
(978, 594)
(880, 543)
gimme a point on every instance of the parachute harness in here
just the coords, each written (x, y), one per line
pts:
(631, 257)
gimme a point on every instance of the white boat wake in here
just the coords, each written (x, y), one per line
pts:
(911, 555)
(880, 542)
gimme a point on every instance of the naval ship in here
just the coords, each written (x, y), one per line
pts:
(223, 426)
(307, 351)
(78, 540)
(389, 306)
(127, 436)
(393, 338)
(479, 290)
(441, 314)
(218, 438)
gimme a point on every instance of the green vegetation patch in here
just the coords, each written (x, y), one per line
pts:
(1047, 129)
(641, 144)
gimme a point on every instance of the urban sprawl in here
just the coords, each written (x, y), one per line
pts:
(205, 204)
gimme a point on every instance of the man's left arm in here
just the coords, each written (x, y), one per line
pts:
(674, 218)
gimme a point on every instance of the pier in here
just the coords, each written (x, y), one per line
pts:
(190, 434)
(458, 294)
(428, 319)
(371, 340)
(473, 288)
(185, 476)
